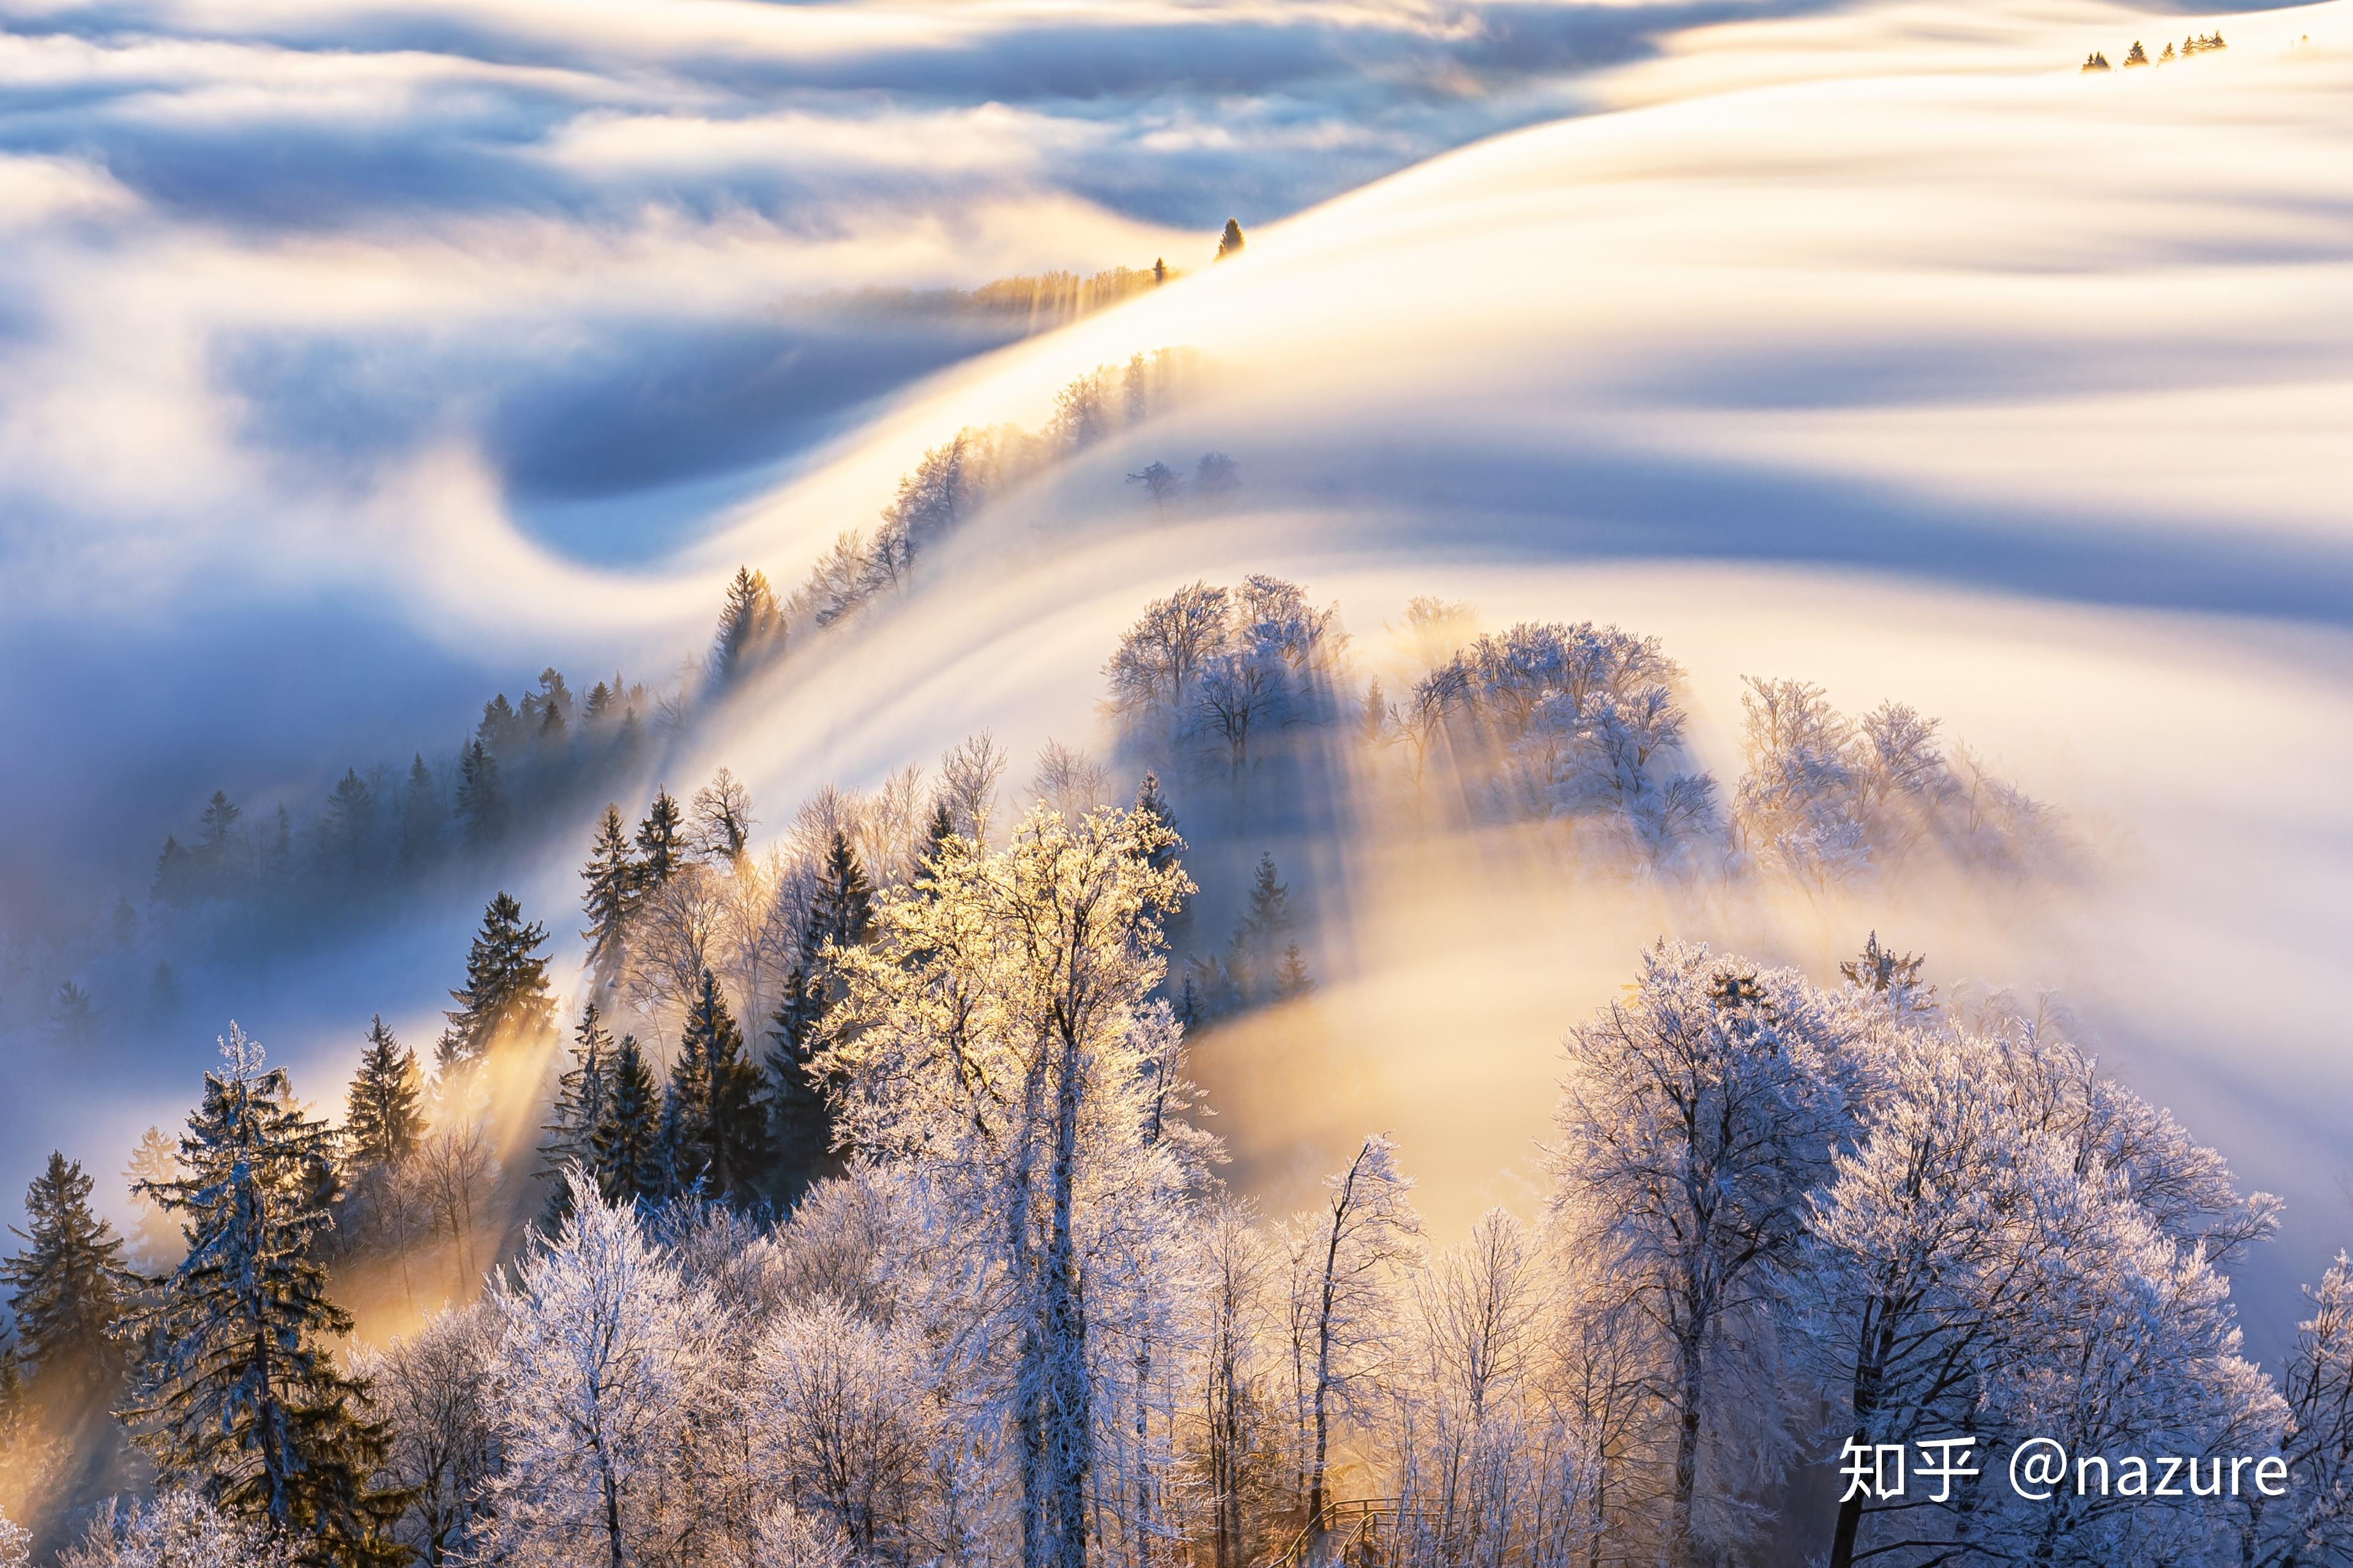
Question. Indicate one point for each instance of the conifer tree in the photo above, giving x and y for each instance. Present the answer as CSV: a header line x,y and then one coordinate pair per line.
x,y
842,913
1230,244
240,1394
724,1132
70,1285
583,1096
661,840
623,1153
481,799
748,625
1290,977
420,816
612,875
382,1123
506,991
350,815
1265,922
938,831
220,817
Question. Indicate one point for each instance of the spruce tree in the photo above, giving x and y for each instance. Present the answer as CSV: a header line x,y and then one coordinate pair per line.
x,y
721,1101
382,1123
240,1396
748,624
842,913
612,875
661,840
420,815
1265,921
938,831
70,1285
506,992
1290,977
481,799
623,1153
802,1117
581,1096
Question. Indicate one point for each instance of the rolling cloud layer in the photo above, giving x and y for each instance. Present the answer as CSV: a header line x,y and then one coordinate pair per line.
x,y
356,361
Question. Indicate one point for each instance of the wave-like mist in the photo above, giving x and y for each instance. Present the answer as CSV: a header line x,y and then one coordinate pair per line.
x,y
1877,348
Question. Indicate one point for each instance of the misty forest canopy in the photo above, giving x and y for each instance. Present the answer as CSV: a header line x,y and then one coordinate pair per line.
x,y
840,1194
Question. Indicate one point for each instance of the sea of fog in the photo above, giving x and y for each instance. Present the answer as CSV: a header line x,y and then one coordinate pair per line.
x,y
358,361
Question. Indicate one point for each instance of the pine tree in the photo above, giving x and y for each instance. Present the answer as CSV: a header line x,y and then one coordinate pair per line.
x,y
220,818
623,1149
842,913
748,625
506,991
420,815
481,799
1264,923
70,1285
612,875
583,1096
240,1393
1290,977
723,1131
938,831
1230,244
382,1123
661,840
350,814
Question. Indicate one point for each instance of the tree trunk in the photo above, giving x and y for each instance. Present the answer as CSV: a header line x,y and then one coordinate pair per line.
x,y
1683,1550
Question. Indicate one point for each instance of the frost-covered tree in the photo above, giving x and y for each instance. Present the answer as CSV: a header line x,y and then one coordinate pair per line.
x,y
434,1389
240,1394
177,1529
723,823
1695,1117
2312,1527
604,1355
1345,1262
997,1037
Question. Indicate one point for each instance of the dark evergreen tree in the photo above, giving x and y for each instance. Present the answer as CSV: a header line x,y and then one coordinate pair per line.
x,y
174,880
601,702
500,727
220,818
624,1147
720,1102
612,875
506,993
240,1394
382,1123
67,1287
661,840
482,797
938,831
420,815
351,818
842,912
1291,978
1265,924
1230,244
70,1015
749,624
583,1096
